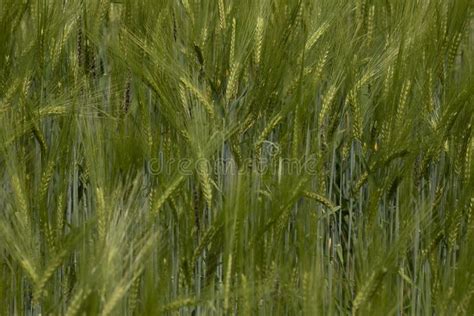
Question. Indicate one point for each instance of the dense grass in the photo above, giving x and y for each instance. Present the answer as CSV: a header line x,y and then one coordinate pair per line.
x,y
296,157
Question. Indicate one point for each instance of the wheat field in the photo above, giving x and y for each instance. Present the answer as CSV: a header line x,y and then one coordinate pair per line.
x,y
236,157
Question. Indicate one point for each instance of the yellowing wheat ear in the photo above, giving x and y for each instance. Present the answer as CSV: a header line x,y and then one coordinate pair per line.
x,y
101,213
369,288
266,131
328,99
259,29
21,201
316,36
203,170
222,14
370,25
232,82
234,67
403,101
199,95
